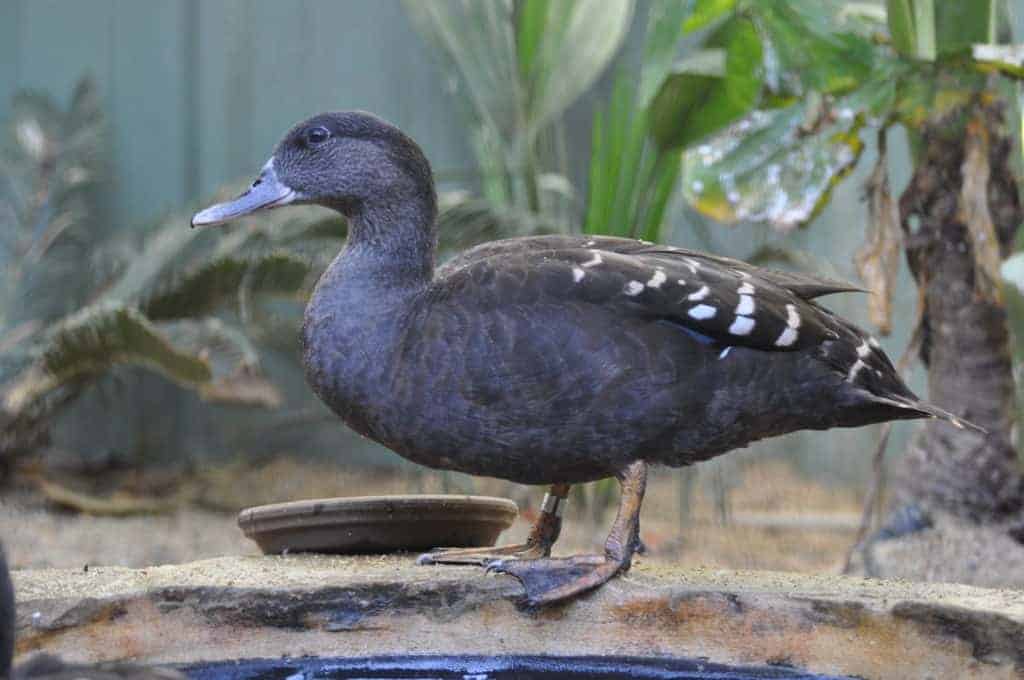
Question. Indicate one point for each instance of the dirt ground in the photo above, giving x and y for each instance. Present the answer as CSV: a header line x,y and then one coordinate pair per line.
x,y
765,517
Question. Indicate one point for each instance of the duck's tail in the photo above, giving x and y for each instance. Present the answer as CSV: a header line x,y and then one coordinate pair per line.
x,y
926,410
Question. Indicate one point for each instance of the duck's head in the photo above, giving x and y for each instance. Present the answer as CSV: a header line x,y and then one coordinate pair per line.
x,y
350,161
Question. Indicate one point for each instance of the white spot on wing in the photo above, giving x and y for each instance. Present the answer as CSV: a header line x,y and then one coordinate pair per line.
x,y
742,325
699,295
701,312
590,243
792,316
863,350
746,305
634,288
681,282
692,264
578,274
873,341
656,280
787,338
745,289
724,353
596,260
854,370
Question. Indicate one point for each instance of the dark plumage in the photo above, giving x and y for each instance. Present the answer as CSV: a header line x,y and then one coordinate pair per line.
x,y
554,359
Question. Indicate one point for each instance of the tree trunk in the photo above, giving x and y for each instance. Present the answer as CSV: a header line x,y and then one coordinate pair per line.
x,y
965,343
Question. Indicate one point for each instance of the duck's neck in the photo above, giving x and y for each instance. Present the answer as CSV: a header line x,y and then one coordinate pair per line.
x,y
391,246
361,303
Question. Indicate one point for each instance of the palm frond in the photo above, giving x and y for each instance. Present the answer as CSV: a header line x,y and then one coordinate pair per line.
x,y
91,342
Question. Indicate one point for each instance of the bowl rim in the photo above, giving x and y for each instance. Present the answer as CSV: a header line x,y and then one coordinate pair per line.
x,y
361,510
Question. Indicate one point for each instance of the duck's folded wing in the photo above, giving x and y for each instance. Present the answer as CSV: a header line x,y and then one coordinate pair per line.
x,y
718,301
803,285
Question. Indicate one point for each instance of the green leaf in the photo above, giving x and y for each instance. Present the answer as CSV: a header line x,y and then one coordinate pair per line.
x,y
207,287
777,167
705,12
691,106
664,30
804,52
900,16
958,24
578,40
94,340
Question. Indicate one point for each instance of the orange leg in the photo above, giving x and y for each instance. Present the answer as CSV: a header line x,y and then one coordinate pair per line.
x,y
549,580
538,544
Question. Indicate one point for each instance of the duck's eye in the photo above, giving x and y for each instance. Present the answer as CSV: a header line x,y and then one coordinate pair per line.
x,y
317,135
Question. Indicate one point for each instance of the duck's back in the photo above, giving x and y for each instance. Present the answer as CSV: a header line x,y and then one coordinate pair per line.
x,y
563,358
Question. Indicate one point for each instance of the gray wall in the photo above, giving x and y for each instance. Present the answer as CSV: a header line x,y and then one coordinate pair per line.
x,y
197,91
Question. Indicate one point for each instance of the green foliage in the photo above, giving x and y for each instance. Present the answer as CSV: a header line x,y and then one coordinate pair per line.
x,y
151,304
522,64
774,166
824,78
631,178
692,103
92,341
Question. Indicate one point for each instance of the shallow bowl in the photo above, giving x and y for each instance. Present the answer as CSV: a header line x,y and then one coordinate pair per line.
x,y
378,524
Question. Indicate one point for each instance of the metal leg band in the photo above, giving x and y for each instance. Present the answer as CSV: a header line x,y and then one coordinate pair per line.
x,y
552,505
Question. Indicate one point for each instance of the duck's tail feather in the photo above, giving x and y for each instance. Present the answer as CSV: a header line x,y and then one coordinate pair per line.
x,y
930,411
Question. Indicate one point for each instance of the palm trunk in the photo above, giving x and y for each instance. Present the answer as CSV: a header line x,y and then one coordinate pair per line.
x,y
965,344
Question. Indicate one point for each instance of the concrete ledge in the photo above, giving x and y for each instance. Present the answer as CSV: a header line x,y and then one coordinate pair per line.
x,y
268,607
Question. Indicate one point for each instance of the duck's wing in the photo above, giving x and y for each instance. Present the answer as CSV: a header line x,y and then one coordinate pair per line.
x,y
714,299
718,302
804,286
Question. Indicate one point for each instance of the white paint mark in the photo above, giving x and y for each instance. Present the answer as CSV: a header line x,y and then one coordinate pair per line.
x,y
701,312
724,353
745,289
854,370
578,274
634,288
863,350
742,325
656,280
596,260
787,338
792,316
746,305
699,295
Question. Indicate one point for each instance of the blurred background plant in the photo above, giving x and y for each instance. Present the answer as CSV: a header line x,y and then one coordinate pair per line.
x,y
82,299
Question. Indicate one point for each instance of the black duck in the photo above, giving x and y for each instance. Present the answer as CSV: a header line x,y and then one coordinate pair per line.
x,y
555,359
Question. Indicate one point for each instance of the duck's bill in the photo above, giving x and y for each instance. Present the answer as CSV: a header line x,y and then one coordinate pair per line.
x,y
266,192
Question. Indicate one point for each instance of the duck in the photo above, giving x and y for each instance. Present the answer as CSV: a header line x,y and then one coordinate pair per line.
x,y
557,359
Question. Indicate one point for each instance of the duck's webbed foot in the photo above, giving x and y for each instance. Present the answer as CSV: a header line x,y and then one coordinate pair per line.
x,y
551,580
538,544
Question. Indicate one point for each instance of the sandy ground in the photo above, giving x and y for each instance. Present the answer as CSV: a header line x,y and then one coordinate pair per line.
x,y
767,517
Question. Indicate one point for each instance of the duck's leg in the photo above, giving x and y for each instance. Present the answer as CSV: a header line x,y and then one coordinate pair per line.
x,y
550,580
538,544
